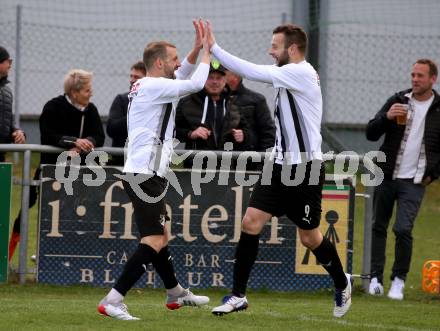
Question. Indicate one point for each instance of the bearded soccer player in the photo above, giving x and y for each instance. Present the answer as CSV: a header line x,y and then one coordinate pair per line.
x,y
298,113
150,133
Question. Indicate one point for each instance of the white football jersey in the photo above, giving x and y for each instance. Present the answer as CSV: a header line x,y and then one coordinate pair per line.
x,y
150,128
298,105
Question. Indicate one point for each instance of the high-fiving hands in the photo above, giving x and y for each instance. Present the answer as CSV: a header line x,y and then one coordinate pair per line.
x,y
206,57
204,37
198,38
200,41
209,34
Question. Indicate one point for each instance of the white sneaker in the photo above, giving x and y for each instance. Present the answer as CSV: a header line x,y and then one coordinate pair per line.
x,y
230,304
118,311
396,290
343,299
376,288
187,298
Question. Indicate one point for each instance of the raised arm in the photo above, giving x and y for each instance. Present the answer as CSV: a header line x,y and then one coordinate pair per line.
x,y
190,60
172,89
251,71
195,83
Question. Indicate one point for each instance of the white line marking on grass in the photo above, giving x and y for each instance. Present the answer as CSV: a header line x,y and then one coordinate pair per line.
x,y
354,324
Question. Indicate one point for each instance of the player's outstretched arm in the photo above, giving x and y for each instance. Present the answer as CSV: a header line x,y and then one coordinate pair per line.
x,y
174,89
206,57
251,71
198,41
190,60
198,79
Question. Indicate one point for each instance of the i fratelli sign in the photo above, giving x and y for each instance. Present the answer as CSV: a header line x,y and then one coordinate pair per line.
x,y
86,236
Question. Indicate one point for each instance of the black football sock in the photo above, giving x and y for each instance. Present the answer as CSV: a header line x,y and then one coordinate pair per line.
x,y
245,256
164,267
135,268
327,256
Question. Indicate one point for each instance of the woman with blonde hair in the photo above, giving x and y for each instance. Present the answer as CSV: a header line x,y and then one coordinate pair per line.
x,y
80,129
69,121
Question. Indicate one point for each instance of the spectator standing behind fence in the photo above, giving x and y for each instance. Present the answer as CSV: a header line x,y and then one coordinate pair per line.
x,y
253,107
69,121
205,120
8,132
117,117
410,121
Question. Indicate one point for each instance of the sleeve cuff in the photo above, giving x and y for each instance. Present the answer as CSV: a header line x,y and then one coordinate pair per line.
x,y
67,141
215,47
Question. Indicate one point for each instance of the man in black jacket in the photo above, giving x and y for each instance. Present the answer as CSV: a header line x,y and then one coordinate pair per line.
x,y
410,121
8,132
205,120
117,117
253,107
69,121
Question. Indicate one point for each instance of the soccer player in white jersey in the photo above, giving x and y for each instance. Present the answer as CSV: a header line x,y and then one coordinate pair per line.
x,y
150,138
298,113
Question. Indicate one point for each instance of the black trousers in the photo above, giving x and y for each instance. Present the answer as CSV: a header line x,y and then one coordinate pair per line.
x,y
33,195
409,197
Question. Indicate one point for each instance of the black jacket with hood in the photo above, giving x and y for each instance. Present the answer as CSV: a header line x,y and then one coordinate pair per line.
x,y
253,107
198,110
381,125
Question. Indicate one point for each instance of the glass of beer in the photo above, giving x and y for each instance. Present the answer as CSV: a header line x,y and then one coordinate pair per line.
x,y
401,119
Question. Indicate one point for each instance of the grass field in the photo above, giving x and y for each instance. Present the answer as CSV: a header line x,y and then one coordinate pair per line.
x,y
41,307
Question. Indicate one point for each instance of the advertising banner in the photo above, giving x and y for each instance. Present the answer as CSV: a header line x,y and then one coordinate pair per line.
x,y
86,237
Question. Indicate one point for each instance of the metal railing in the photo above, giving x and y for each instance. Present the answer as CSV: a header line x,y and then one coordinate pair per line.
x,y
27,150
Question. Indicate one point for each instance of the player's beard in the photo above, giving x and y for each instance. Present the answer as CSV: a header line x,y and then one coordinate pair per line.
x,y
169,72
283,59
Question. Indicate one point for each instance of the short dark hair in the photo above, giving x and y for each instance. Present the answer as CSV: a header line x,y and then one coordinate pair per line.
x,y
154,50
433,71
293,35
139,66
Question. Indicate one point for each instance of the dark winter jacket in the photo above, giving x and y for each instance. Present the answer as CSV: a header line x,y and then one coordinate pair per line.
x,y
117,124
6,117
253,107
380,125
189,116
61,124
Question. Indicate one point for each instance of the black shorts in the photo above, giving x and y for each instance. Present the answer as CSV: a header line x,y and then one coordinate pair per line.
x,y
300,203
150,217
